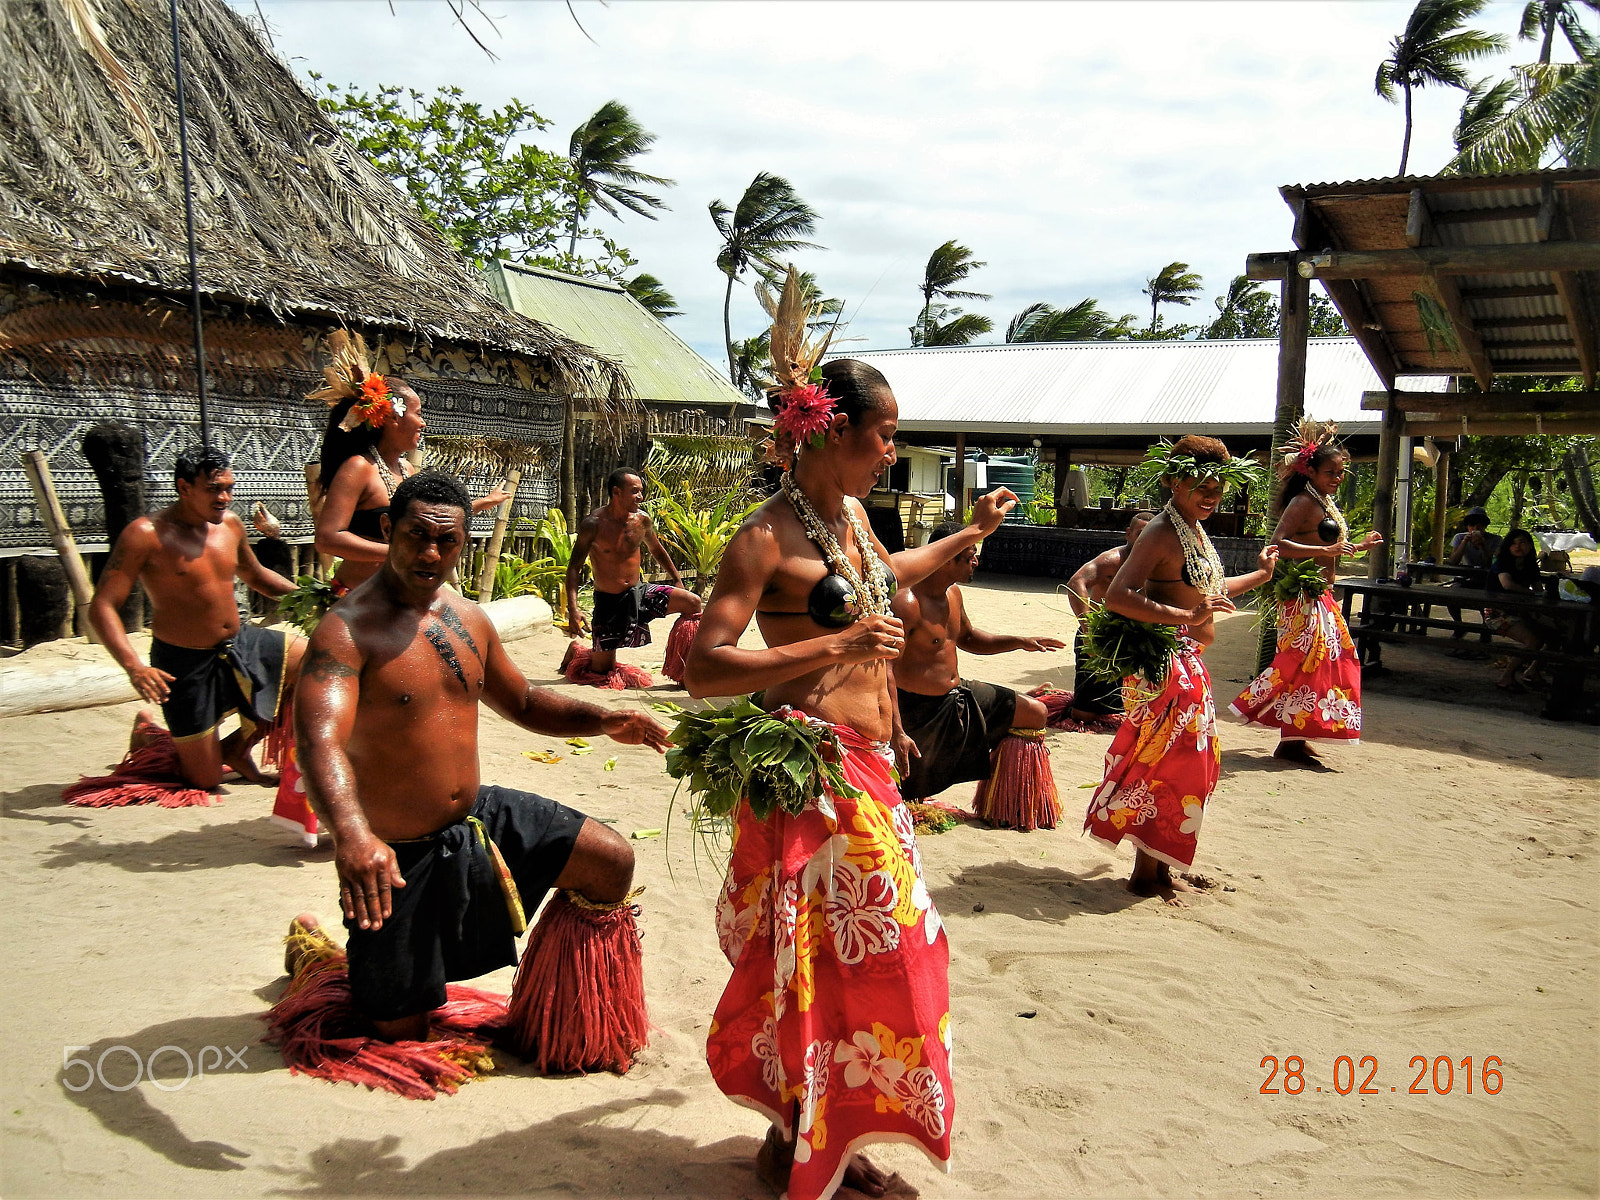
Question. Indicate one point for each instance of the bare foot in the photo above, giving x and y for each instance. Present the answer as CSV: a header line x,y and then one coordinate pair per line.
x,y
864,1177
295,954
566,659
774,1161
1166,888
145,728
1298,752
240,762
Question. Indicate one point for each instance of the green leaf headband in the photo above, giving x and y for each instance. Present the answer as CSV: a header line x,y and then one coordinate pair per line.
x,y
1160,462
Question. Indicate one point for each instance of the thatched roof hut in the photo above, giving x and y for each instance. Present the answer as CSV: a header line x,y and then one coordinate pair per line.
x,y
298,234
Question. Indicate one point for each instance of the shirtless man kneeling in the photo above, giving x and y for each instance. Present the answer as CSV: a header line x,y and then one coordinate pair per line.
x,y
204,664
1094,699
387,729
948,726
611,540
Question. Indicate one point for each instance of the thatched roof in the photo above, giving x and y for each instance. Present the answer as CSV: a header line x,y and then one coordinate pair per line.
x,y
290,217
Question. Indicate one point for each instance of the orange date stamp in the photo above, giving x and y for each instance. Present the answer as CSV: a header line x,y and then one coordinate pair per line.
x,y
1435,1077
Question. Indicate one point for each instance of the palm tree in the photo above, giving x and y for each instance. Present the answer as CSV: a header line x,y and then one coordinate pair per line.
x,y
650,292
770,219
752,364
1247,310
947,266
942,325
600,151
1084,321
1434,49
1557,104
1541,18
1173,284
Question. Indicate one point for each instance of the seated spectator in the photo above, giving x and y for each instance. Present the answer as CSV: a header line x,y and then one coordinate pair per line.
x,y
1516,569
1475,547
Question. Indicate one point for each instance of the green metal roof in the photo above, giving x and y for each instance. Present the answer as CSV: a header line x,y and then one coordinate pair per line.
x,y
603,316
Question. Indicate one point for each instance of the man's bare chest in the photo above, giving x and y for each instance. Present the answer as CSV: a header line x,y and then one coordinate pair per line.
x,y
442,663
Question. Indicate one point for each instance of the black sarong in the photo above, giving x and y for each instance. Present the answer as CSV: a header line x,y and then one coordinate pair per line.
x,y
623,618
242,674
1092,694
451,920
955,732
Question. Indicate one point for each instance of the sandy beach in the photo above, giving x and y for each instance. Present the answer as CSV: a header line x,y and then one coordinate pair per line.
x,y
1433,893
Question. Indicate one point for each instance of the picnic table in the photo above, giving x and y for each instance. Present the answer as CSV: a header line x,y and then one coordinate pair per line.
x,y
1393,612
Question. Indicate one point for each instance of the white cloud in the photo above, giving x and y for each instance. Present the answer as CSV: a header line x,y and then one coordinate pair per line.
x,y
1076,147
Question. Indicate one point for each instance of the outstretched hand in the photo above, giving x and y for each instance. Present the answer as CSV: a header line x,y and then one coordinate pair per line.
x,y
988,511
636,729
1042,643
368,870
1267,560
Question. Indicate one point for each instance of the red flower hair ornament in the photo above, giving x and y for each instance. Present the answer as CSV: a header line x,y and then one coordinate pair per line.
x,y
804,408
350,377
804,413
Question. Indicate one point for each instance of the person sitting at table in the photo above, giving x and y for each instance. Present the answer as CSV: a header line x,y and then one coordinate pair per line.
x,y
1474,547
1516,569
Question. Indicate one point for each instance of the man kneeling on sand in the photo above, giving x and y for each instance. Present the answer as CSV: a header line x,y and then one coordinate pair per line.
x,y
205,665
438,872
948,729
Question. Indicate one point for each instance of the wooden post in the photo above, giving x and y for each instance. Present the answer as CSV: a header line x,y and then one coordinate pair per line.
x,y
1441,502
491,560
569,454
1294,328
37,469
13,605
1383,494
961,477
1063,466
1405,463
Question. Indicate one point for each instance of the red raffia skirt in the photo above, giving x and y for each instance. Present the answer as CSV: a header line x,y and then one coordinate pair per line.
x,y
1162,765
1312,690
836,1022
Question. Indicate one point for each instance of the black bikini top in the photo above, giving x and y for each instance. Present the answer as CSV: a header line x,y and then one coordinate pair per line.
x,y
832,603
364,523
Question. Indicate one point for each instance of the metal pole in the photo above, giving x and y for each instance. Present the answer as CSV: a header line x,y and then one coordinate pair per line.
x,y
188,219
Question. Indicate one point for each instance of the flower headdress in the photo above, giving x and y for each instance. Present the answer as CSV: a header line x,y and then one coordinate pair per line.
x,y
803,405
350,377
1162,461
1302,447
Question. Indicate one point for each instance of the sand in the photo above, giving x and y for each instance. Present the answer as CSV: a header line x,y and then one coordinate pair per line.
x,y
1434,893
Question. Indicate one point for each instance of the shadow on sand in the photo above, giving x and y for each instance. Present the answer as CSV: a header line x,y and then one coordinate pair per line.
x,y
1032,893
253,842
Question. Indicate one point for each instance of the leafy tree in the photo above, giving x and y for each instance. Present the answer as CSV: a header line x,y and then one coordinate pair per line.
x,y
1246,310
1555,106
770,219
1173,284
1541,19
947,266
650,292
752,365
468,171
1084,321
1433,50
1324,319
601,153
942,325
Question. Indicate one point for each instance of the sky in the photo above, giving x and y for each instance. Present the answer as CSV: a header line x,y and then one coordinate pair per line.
x,y
1076,148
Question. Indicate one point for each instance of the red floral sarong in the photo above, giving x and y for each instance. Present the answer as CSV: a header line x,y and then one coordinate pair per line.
x,y
1162,765
1312,690
838,1010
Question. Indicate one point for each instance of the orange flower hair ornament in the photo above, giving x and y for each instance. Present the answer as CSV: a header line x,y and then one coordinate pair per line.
x,y
350,377
804,408
1301,449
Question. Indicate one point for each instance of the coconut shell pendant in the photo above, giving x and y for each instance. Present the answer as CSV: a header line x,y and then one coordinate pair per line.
x,y
832,603
1328,530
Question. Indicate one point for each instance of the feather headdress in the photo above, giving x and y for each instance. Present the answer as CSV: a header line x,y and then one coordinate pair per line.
x,y
350,377
803,405
1299,451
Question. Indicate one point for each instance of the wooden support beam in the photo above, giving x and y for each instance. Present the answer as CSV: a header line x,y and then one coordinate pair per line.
x,y
1575,426
1443,260
1441,499
1519,292
1544,217
961,477
1268,266
1383,493
37,468
1579,321
1515,404
1419,224
1466,334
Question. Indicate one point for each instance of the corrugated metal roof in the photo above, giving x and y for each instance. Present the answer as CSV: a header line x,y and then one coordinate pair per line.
x,y
1123,388
604,316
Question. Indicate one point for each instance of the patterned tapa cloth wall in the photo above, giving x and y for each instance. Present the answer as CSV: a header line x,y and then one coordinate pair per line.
x,y
258,417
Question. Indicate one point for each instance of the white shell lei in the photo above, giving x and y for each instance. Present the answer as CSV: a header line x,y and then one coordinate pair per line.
x,y
872,592
1201,561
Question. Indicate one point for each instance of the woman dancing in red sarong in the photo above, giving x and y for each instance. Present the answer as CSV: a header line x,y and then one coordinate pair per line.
x,y
1164,761
836,1021
1312,689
